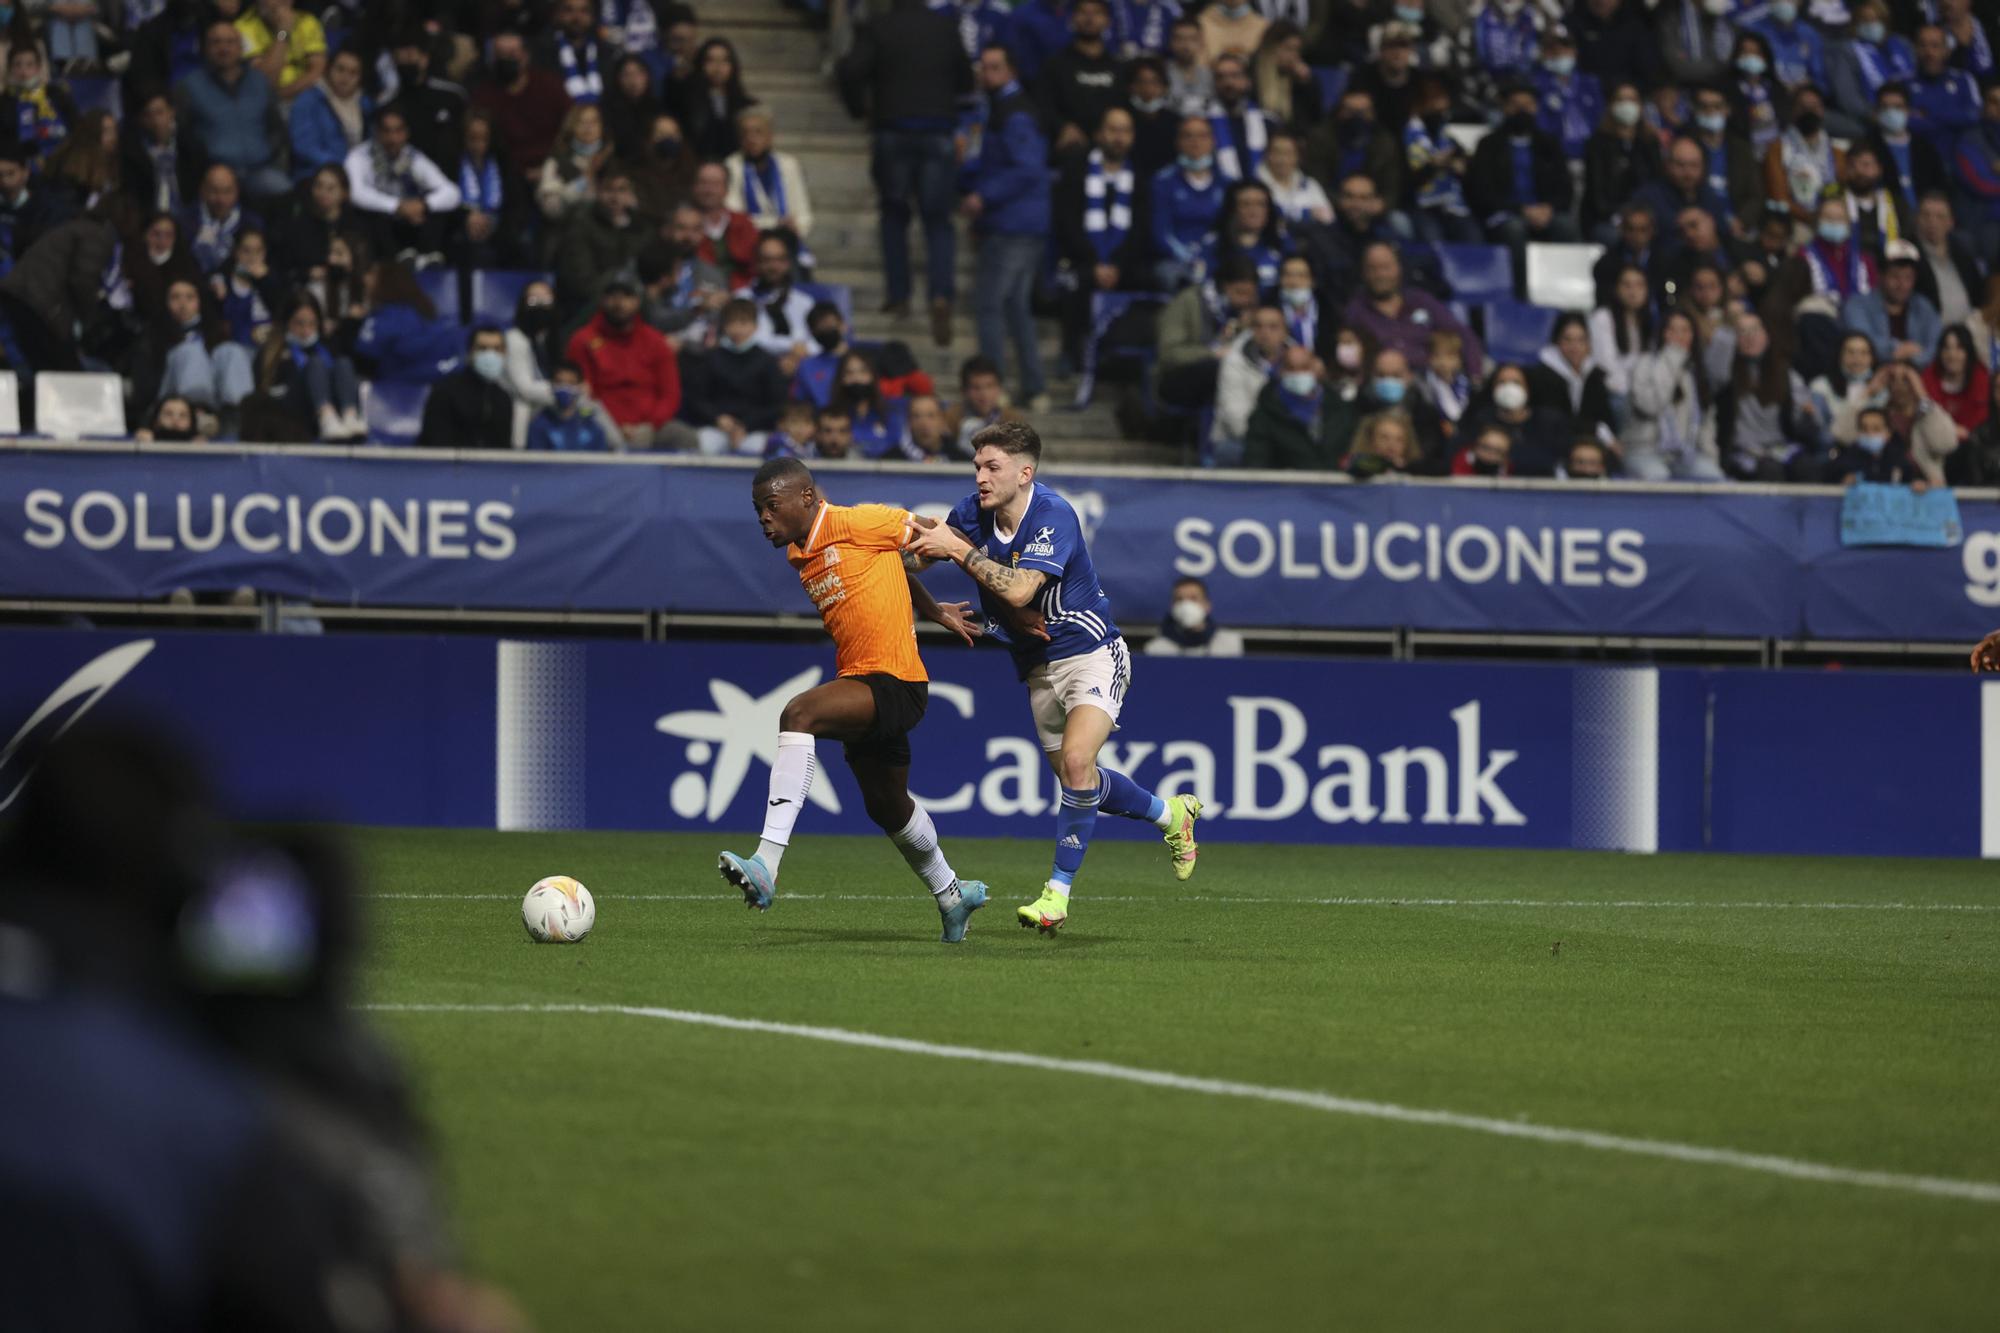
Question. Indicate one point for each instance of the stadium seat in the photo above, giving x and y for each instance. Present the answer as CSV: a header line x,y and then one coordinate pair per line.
x,y
76,406
836,292
497,291
94,94
1332,83
395,412
440,283
10,403
1559,276
1516,332
1477,273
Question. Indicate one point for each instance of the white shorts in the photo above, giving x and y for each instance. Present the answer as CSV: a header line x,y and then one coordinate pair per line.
x,y
1098,678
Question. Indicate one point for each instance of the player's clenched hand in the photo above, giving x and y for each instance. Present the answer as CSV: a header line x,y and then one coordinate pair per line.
x,y
933,540
959,619
1032,623
1986,657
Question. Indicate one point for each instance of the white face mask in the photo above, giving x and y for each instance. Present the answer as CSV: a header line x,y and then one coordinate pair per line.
x,y
1189,615
1510,397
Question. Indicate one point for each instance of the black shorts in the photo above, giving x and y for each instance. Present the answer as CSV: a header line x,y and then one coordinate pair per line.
x,y
899,706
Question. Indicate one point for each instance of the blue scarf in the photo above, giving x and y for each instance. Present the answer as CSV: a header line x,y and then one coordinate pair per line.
x,y
1302,323
1888,63
1234,161
582,79
480,186
1706,37
765,180
1142,26
1836,270
1305,410
1107,205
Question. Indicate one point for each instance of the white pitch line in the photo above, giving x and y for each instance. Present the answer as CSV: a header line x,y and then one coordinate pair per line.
x,y
1627,904
1977,1191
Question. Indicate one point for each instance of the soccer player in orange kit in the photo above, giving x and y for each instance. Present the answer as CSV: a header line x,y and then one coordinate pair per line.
x,y
850,561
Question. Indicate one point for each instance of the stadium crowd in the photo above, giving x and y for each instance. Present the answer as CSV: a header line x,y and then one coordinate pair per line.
x,y
1311,226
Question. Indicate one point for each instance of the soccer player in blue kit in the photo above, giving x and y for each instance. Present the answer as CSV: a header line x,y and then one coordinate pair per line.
x,y
1022,544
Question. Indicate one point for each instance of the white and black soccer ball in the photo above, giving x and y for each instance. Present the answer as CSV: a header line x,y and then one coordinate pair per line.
x,y
558,910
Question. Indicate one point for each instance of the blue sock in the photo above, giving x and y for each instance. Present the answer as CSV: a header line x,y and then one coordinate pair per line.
x,y
1126,798
1075,818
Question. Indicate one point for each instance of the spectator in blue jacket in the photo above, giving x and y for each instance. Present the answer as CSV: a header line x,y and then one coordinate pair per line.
x,y
331,118
1186,203
1569,104
226,106
568,425
1798,52
1009,207
1977,157
1896,317
1944,102
1874,56
402,335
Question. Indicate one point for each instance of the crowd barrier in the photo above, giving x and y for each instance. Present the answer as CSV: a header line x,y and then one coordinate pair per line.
x,y
611,735
508,532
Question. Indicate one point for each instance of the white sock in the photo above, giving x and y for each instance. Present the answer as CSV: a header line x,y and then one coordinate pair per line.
x,y
1063,889
791,778
918,842
1165,823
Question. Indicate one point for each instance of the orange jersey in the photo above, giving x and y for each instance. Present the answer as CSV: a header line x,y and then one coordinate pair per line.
x,y
852,567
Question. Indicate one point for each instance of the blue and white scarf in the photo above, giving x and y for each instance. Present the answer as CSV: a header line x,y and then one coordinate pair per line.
x,y
1236,161
480,186
764,188
1302,323
638,29
1107,205
1830,277
1141,27
582,79
1705,36
1978,52
1303,409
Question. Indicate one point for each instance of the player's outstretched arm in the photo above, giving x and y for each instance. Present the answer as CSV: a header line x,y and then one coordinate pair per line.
x,y
954,616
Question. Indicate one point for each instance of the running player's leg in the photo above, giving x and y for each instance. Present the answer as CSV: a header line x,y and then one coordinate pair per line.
x,y
885,794
1083,731
841,709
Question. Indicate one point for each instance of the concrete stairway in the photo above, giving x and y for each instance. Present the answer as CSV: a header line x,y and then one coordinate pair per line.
x,y
781,63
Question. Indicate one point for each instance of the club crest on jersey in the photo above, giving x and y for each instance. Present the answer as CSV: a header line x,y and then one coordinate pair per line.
x,y
1043,544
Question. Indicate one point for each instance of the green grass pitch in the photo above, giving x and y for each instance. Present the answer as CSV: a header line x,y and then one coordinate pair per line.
x,y
623,1172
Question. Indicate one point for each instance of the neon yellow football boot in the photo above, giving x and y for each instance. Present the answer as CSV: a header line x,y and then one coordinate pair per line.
x,y
1047,913
1180,837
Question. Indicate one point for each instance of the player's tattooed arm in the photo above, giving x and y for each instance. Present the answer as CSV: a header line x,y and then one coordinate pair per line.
x,y
1012,585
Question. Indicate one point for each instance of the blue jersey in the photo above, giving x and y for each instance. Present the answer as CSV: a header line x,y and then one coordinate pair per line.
x,y
1049,540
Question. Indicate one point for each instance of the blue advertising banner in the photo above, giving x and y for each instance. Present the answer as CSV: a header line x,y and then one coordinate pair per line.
x,y
555,735
643,534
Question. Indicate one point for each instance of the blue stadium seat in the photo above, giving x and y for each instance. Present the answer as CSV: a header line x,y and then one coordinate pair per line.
x,y
94,94
836,292
1517,332
440,283
395,412
497,291
1332,83
1477,273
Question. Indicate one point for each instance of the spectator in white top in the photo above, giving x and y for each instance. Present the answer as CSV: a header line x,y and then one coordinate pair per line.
x,y
1246,369
766,184
1189,629
1296,195
389,177
783,310
1620,333
1190,84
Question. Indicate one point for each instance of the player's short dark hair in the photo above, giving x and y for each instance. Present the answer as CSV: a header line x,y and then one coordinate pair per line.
x,y
1011,437
779,471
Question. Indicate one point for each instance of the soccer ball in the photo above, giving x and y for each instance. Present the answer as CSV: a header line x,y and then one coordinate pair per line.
x,y
558,910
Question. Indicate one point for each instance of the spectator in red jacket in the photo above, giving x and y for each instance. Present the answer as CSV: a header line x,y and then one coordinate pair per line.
x,y
728,239
629,367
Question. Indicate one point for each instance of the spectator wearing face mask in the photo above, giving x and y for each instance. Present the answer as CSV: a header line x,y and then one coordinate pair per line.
x,y
733,391
27,210
1189,628
1501,41
1487,455
315,386
1672,433
172,422
1807,300
468,409
1570,104
1154,119
1519,182
1696,38
188,353
1299,424
1186,200
1351,142
1437,171
878,422
1196,331
1878,454
1618,160
629,366
1803,160
1857,68
569,424
527,104
816,375
1536,433
1798,52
